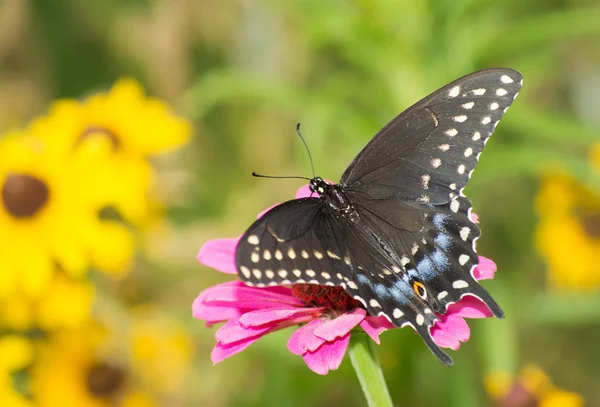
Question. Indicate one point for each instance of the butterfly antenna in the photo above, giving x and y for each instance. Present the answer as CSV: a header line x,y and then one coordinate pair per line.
x,y
278,177
307,150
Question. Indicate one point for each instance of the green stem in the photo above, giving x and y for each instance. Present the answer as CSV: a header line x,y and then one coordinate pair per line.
x,y
366,365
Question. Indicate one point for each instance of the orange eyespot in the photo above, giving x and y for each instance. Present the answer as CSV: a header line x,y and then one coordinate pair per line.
x,y
420,289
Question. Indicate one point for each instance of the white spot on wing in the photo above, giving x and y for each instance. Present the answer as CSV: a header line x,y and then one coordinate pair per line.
x,y
296,272
291,253
267,255
253,239
304,254
468,106
460,118
501,92
494,106
318,254
269,274
461,169
476,136
506,79
442,295
245,271
333,255
458,284
397,313
325,275
257,273
374,303
282,273
425,180
455,206
468,152
310,273
454,92
352,285
278,255
479,92
444,147
436,162
486,120
451,132
463,259
464,233
255,257
420,319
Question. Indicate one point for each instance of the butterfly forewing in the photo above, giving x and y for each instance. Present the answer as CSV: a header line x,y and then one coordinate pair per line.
x,y
427,153
298,241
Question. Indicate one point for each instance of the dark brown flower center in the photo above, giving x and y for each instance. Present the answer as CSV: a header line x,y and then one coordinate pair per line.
x,y
333,298
23,195
97,131
591,224
518,396
104,380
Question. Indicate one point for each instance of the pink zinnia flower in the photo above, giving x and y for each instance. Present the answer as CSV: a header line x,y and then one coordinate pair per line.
x,y
326,314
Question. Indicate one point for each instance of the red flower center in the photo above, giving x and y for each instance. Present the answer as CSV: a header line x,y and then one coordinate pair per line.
x,y
333,298
98,131
23,195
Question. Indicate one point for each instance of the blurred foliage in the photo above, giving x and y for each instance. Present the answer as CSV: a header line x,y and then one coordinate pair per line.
x,y
244,73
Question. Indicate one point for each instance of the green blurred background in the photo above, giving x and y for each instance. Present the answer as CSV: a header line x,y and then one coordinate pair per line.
x,y
245,72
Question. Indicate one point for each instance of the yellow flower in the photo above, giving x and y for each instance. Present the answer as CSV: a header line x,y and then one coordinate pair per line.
x,y
569,223
49,203
135,126
66,303
15,354
139,361
531,388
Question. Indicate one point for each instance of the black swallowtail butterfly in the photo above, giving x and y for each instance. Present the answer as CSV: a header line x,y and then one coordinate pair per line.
x,y
396,233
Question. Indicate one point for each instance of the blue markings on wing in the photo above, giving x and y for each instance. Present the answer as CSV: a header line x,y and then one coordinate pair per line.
x,y
426,269
401,292
439,221
442,262
382,291
443,241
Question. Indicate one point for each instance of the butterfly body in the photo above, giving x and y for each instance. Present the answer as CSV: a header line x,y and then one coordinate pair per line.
x,y
397,231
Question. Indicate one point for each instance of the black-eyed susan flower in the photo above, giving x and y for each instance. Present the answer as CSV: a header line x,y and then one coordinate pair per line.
x,y
140,363
16,353
50,199
136,126
569,223
532,388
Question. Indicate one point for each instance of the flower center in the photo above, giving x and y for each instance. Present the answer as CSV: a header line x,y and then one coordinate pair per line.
x,y
23,195
333,298
98,131
591,224
104,380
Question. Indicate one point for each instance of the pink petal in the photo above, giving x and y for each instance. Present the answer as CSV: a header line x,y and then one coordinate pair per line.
x,y
221,352
374,326
327,357
450,332
304,340
232,332
485,269
340,326
238,295
474,217
219,254
272,316
469,307
214,314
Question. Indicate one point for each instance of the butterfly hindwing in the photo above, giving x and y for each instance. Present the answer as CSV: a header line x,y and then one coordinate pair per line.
x,y
428,152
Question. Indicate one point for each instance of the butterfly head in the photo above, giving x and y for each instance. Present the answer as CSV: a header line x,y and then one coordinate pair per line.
x,y
318,185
